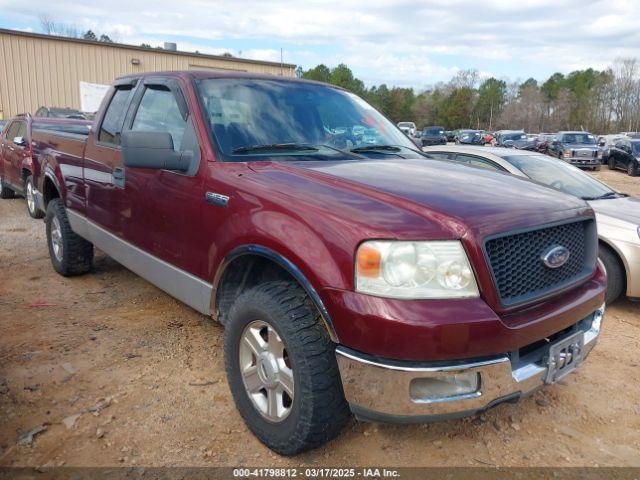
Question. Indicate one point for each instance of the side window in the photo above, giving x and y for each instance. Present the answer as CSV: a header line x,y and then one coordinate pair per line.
x,y
113,117
476,162
159,112
440,155
22,131
9,133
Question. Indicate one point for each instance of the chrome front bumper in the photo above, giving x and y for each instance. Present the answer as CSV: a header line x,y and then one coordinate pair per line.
x,y
380,391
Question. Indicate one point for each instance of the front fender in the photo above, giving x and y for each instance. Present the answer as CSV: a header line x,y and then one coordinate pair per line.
x,y
286,264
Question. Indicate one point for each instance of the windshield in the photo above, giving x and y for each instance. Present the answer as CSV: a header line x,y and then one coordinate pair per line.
x,y
407,125
559,175
434,131
579,138
244,113
636,147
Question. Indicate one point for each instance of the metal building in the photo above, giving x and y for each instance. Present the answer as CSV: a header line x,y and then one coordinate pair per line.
x,y
43,70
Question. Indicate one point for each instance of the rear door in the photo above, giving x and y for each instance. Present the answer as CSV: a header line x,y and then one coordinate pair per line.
x,y
103,170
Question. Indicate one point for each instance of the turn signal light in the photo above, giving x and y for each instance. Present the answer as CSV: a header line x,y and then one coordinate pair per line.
x,y
368,263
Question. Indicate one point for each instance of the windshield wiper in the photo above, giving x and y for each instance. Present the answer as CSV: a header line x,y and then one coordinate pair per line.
x,y
605,195
373,148
386,149
269,147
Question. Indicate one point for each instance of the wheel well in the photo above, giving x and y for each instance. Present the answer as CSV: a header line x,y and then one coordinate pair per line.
x,y
49,191
605,246
242,273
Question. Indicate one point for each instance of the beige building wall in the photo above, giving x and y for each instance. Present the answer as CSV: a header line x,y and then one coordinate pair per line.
x,y
39,70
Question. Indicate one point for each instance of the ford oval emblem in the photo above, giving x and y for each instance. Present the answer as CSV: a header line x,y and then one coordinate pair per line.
x,y
555,256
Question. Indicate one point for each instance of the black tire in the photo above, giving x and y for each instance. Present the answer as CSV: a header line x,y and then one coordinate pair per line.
x,y
76,257
6,192
632,168
32,206
615,274
318,410
611,164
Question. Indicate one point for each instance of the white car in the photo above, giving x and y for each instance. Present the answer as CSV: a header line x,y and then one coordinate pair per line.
x,y
409,128
617,214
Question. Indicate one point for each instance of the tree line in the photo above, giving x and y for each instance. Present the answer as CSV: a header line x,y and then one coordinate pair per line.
x,y
606,101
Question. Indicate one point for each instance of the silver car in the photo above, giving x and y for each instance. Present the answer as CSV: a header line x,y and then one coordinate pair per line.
x,y
617,214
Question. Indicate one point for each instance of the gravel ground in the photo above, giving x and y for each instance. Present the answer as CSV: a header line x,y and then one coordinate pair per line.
x,y
115,372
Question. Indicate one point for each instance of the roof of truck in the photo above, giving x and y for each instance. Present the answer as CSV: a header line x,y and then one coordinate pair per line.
x,y
204,74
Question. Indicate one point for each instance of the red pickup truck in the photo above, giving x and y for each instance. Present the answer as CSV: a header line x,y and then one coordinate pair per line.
x,y
19,164
352,273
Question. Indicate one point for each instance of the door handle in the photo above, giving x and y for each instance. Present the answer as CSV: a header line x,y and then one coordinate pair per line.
x,y
118,177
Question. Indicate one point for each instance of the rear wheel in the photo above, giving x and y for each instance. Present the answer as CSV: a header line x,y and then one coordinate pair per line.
x,y
5,192
632,168
30,195
282,369
615,274
70,253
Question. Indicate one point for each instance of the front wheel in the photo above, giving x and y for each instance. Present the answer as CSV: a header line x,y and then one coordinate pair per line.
x,y
282,369
70,253
632,169
30,195
611,164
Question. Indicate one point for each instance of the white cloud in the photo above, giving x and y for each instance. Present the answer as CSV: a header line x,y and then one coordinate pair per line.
x,y
402,42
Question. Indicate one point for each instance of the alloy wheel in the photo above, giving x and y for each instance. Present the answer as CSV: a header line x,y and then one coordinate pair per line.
x,y
31,201
266,371
56,239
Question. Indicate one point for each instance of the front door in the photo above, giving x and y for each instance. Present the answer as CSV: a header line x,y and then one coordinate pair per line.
x,y
15,151
166,205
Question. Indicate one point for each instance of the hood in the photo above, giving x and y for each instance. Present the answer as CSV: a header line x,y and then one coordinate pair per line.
x,y
625,208
439,192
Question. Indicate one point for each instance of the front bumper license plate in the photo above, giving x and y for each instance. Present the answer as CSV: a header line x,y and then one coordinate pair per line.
x,y
564,357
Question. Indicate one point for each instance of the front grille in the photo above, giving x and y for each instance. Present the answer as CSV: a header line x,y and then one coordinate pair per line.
x,y
516,262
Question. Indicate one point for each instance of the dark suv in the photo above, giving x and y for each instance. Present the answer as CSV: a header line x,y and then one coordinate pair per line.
x,y
625,154
433,136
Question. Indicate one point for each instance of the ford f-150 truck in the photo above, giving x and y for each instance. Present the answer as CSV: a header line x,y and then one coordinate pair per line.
x,y
350,277
19,167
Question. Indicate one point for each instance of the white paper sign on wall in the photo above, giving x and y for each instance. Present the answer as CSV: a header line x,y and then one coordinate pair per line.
x,y
91,95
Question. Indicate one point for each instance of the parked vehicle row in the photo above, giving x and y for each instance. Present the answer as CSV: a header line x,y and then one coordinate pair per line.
x,y
351,277
19,162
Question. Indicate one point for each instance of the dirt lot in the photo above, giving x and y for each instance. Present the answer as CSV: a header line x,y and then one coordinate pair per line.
x,y
121,374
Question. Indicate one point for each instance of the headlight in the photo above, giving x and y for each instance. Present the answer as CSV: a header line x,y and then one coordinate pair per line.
x,y
415,270
567,153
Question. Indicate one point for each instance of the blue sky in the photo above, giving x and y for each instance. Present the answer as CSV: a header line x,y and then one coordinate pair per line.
x,y
402,42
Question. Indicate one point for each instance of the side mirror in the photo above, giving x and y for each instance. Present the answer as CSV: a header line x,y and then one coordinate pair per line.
x,y
152,150
19,141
